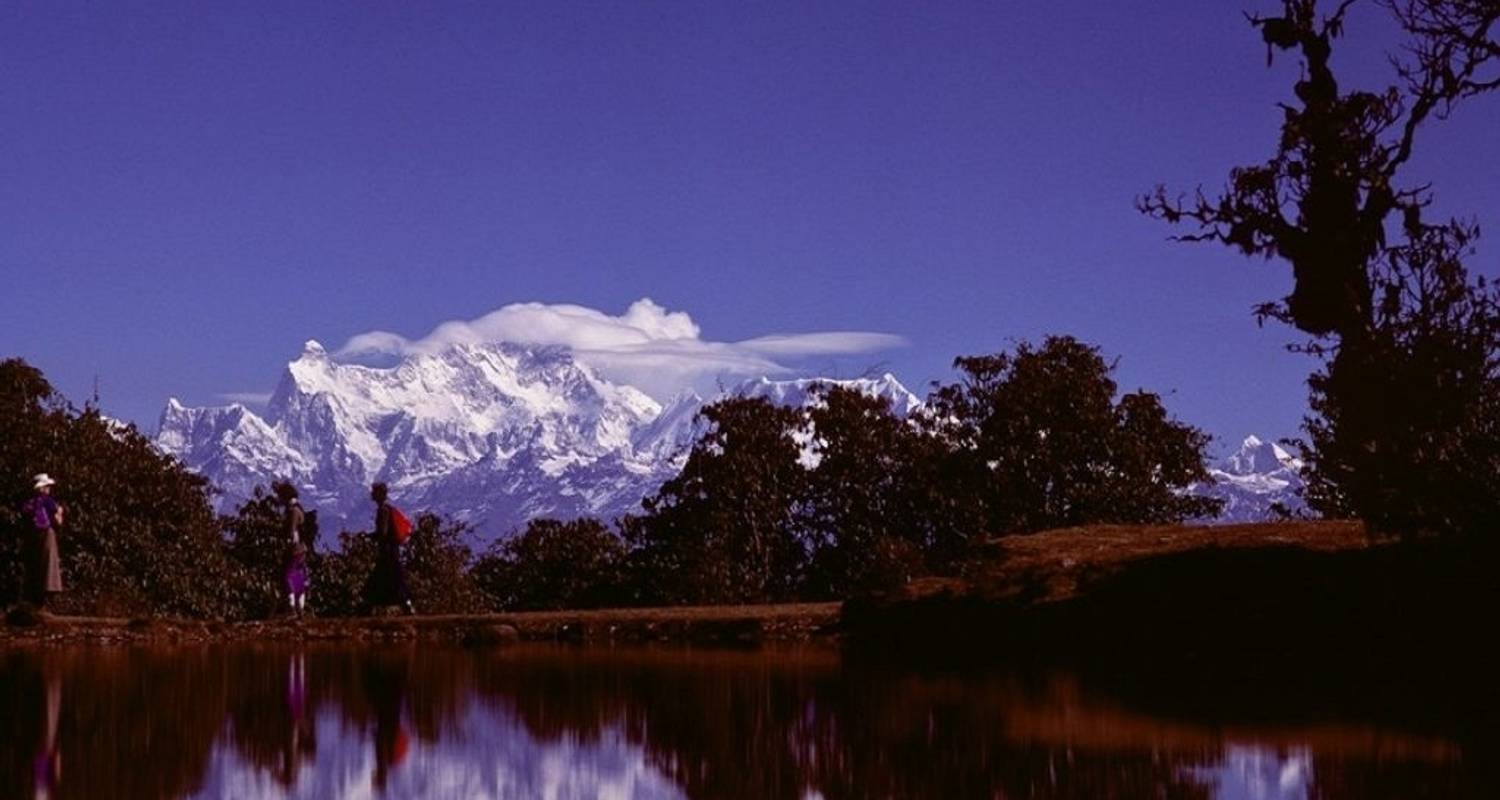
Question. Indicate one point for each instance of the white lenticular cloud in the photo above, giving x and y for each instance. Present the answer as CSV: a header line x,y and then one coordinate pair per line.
x,y
658,351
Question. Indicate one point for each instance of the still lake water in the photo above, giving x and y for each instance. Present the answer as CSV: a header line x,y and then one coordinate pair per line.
x,y
415,721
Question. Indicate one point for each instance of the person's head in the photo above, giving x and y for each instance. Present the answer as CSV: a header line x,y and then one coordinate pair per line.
x,y
285,491
44,483
379,492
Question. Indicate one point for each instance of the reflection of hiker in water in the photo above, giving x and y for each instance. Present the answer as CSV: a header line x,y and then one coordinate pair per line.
x,y
385,682
301,742
387,585
46,767
44,567
295,575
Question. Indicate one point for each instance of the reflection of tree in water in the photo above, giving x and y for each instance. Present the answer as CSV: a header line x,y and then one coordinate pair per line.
x,y
270,719
906,735
1338,779
131,723
753,727
719,724
279,692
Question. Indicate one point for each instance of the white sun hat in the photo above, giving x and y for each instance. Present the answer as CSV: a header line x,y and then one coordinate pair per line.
x,y
43,480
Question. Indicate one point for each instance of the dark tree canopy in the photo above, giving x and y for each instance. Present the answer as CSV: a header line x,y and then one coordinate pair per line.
x,y
140,534
554,564
866,511
843,497
438,560
1044,443
726,528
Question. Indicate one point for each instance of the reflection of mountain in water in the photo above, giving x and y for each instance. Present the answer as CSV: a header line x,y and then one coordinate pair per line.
x,y
1259,773
415,722
493,755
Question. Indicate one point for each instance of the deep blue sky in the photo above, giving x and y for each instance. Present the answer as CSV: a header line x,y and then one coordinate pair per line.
x,y
188,191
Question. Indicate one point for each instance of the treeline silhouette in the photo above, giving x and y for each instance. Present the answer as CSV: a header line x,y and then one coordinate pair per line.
x,y
773,503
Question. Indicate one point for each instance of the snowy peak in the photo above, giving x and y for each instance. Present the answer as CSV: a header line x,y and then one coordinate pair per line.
x,y
1258,457
800,392
1254,482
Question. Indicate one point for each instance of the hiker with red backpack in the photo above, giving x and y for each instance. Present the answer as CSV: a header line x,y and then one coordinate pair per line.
x,y
387,586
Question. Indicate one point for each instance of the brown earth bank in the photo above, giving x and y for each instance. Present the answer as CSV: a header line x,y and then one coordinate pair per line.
x,y
1307,622
721,625
1245,594
1296,597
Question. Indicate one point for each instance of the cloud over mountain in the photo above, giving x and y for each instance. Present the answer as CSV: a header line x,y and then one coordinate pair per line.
x,y
659,351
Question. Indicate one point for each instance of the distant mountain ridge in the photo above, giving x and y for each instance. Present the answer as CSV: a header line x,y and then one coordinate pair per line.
x,y
493,434
496,434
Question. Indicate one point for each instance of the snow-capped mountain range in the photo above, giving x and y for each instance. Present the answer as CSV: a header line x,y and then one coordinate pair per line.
x,y
493,434
496,434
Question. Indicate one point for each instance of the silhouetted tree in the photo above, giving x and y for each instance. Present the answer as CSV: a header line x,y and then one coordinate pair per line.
x,y
31,414
1405,432
554,564
438,558
865,513
140,535
726,528
1382,290
1038,441
338,576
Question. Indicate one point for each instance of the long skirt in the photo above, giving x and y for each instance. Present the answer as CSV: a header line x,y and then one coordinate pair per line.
x,y
295,575
45,575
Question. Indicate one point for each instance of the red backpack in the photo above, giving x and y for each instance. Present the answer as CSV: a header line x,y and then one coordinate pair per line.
x,y
400,525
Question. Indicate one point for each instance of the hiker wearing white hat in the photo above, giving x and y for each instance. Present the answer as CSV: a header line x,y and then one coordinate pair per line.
x,y
44,577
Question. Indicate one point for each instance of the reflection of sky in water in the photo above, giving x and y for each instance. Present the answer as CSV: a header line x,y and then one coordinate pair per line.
x,y
1258,773
488,754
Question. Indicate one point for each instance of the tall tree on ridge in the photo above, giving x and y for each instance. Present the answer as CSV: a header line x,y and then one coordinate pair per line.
x,y
1408,341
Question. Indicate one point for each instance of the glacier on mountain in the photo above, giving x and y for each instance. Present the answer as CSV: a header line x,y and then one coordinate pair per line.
x,y
496,434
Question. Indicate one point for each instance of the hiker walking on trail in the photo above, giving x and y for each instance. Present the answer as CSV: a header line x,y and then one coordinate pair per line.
x,y
295,575
44,572
387,586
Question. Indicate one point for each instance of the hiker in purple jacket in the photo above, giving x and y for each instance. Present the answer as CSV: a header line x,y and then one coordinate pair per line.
x,y
295,575
44,572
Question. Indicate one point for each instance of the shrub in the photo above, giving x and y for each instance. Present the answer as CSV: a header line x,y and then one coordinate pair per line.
x,y
554,564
